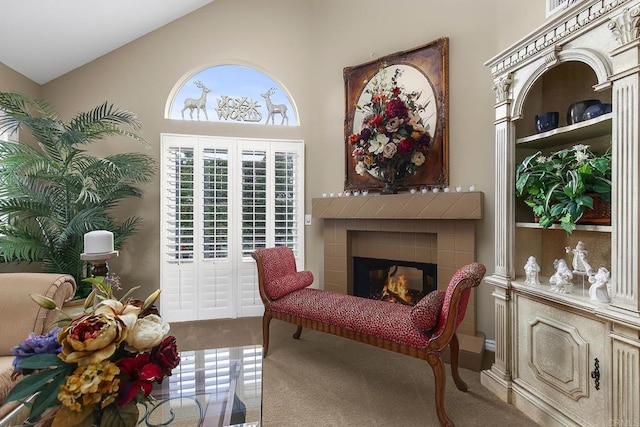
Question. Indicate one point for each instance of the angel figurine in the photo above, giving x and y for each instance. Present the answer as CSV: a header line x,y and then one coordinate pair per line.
x,y
561,280
599,289
580,264
531,271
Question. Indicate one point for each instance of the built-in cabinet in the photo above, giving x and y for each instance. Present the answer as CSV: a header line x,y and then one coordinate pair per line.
x,y
565,359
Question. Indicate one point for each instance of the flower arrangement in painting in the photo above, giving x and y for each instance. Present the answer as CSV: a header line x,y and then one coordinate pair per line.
x,y
393,141
94,371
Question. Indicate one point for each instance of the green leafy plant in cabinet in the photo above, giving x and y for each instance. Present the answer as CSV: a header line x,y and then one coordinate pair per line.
x,y
561,187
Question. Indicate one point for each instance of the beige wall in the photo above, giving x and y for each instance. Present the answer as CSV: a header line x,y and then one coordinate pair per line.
x,y
304,45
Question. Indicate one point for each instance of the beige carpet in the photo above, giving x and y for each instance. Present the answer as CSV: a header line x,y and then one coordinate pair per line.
x,y
325,381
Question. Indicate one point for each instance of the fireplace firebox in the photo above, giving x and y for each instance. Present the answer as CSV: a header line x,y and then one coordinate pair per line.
x,y
395,281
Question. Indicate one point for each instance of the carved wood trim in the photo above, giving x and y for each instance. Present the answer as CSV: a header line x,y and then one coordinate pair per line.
x,y
543,331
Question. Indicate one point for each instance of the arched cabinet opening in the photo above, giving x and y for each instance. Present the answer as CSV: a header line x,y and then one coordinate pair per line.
x,y
555,91
560,90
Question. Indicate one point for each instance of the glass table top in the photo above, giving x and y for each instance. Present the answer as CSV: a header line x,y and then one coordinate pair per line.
x,y
216,387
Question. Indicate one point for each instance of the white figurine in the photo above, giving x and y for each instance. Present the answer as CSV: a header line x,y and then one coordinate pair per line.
x,y
531,270
561,280
600,284
580,264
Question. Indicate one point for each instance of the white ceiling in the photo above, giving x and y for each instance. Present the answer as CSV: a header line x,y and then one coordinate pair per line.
x,y
44,39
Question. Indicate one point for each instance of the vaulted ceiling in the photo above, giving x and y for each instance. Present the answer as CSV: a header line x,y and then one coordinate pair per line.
x,y
44,39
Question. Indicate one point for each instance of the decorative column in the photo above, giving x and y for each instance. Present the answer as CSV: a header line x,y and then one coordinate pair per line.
x,y
498,379
626,161
625,214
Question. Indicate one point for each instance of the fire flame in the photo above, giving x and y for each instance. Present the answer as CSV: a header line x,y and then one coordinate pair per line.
x,y
398,288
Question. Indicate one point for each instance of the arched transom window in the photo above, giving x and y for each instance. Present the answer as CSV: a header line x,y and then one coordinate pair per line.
x,y
232,94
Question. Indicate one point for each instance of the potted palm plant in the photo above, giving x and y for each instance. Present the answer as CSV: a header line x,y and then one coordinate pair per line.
x,y
563,186
55,191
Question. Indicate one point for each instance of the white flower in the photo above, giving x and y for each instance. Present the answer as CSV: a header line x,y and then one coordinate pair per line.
x,y
417,158
542,159
581,157
361,168
147,333
378,143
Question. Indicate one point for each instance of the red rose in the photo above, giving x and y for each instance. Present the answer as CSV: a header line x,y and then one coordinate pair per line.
x,y
396,108
166,355
405,146
139,373
375,120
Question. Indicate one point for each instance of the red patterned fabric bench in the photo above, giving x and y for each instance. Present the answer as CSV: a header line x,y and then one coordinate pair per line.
x,y
422,331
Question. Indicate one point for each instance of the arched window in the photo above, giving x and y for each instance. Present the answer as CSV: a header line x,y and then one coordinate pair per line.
x,y
232,94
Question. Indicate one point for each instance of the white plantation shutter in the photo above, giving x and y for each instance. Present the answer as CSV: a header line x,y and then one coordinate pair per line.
x,y
215,280
177,246
207,269
272,214
288,212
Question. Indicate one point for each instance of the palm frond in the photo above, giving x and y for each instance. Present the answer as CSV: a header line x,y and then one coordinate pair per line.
x,y
21,246
19,109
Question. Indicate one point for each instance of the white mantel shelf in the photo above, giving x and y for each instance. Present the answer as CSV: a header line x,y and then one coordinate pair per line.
x,y
455,206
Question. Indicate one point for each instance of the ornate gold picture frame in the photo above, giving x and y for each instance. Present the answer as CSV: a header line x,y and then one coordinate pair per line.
x,y
425,69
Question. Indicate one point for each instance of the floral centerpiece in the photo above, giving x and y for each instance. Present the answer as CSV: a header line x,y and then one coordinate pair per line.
x,y
95,370
563,186
393,142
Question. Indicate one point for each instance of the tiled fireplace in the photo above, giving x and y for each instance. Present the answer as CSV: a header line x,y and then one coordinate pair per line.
x,y
438,228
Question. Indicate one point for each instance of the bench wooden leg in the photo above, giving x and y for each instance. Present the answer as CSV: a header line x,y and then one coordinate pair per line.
x,y
298,332
266,319
438,375
454,351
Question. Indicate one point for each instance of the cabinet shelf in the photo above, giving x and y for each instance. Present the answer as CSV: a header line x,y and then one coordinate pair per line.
x,y
588,129
580,227
579,298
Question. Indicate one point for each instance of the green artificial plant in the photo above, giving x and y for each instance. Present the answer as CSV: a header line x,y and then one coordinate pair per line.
x,y
54,191
560,187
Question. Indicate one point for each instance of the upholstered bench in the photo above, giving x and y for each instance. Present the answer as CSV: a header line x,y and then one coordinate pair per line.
x,y
422,331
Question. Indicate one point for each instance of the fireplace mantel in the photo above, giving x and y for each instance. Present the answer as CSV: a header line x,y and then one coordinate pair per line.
x,y
429,206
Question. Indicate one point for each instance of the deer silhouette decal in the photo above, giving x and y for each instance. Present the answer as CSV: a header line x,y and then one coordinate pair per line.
x,y
197,104
274,109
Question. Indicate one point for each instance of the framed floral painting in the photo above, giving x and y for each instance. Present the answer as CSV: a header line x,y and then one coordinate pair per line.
x,y
396,120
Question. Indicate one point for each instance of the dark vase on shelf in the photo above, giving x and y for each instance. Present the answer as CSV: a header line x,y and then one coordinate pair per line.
x,y
547,121
596,110
575,112
392,178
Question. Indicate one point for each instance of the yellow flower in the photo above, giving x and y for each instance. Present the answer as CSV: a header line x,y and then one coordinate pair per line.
x,y
91,338
126,312
90,384
417,158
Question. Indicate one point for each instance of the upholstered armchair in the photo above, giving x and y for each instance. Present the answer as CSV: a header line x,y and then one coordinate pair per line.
x,y
20,315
